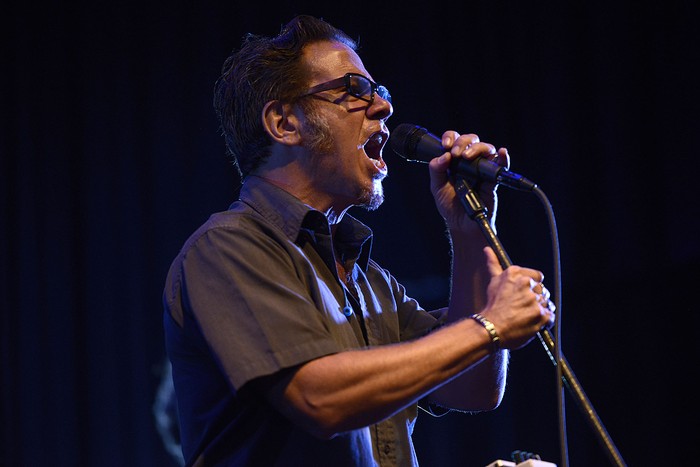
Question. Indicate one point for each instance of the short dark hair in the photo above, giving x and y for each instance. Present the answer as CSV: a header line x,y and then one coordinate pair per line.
x,y
262,70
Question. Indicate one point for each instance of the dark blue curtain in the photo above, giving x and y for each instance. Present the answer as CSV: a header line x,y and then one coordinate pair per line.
x,y
111,156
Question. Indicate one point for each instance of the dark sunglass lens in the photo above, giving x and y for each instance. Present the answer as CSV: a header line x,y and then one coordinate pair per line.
x,y
359,86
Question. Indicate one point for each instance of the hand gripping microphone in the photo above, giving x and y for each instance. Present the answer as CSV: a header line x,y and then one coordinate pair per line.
x,y
416,144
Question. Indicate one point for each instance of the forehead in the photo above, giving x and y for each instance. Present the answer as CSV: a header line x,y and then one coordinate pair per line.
x,y
330,60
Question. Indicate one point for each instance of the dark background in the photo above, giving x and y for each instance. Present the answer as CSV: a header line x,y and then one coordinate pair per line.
x,y
111,157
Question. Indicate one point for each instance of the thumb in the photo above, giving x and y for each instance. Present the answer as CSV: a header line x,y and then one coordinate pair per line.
x,y
492,263
438,167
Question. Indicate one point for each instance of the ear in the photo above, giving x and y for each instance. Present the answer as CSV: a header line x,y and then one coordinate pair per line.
x,y
281,123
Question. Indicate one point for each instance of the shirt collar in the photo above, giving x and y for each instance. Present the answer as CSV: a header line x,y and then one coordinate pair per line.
x,y
290,215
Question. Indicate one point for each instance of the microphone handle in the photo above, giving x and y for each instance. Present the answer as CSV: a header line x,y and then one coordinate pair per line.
x,y
416,144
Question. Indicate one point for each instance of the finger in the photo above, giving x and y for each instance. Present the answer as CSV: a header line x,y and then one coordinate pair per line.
x,y
448,139
536,280
462,143
545,302
492,263
552,315
539,288
441,163
439,167
502,158
478,149
545,292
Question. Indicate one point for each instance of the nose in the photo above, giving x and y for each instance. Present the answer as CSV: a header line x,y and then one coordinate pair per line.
x,y
380,108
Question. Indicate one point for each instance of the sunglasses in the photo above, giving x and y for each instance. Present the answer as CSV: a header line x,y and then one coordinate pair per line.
x,y
356,85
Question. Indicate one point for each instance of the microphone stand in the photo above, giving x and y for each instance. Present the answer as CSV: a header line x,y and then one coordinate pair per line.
x,y
476,210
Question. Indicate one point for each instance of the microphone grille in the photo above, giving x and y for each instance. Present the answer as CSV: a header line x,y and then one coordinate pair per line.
x,y
404,139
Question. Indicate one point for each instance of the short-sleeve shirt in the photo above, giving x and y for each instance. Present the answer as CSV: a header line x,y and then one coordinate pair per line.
x,y
255,291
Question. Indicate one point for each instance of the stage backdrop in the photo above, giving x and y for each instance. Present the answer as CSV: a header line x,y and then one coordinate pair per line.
x,y
111,157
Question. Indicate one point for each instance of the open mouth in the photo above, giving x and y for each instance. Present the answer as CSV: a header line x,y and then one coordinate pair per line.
x,y
373,148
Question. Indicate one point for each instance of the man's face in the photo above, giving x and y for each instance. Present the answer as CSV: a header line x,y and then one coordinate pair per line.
x,y
344,134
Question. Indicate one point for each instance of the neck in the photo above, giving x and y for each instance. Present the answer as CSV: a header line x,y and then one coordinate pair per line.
x,y
305,192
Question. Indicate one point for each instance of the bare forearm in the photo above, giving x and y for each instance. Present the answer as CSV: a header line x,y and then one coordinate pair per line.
x,y
353,389
482,387
470,276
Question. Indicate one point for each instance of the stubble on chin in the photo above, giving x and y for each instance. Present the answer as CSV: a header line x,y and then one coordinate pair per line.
x,y
374,197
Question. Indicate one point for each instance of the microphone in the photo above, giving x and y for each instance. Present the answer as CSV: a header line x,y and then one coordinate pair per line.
x,y
415,144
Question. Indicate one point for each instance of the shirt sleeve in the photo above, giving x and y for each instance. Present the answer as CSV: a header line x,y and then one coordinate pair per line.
x,y
253,308
413,320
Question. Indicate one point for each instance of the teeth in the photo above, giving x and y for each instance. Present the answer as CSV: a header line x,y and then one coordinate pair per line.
x,y
376,138
373,147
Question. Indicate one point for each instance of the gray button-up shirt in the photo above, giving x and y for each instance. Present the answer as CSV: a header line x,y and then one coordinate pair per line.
x,y
254,291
